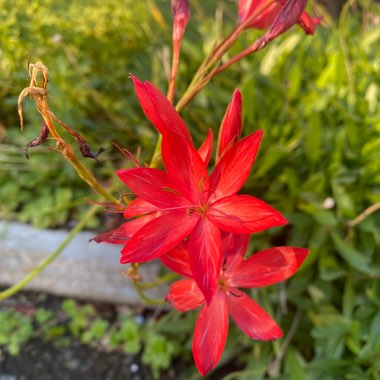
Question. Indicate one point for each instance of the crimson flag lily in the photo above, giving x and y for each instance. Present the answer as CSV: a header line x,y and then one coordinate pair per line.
x,y
264,268
185,200
294,13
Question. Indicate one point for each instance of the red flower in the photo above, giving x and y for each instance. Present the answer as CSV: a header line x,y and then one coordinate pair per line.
x,y
264,268
184,201
290,12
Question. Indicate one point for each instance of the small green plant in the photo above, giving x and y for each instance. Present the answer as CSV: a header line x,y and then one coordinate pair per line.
x,y
128,336
79,317
96,331
15,329
81,322
158,353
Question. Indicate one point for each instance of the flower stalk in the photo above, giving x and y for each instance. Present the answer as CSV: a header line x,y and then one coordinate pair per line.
x,y
39,95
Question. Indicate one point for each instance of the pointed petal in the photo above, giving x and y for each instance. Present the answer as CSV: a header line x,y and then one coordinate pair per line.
x,y
151,185
139,207
210,334
231,126
233,169
158,237
184,295
186,169
159,110
268,267
309,24
177,260
123,233
205,149
251,318
243,214
205,255
234,248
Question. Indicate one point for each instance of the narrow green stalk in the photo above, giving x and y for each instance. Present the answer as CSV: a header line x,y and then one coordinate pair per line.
x,y
161,280
156,158
90,179
147,300
38,269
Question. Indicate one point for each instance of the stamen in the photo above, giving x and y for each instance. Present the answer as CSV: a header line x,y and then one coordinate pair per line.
x,y
191,211
224,265
237,295
170,190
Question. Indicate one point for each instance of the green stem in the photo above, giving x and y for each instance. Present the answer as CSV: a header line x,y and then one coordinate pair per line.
x,y
208,67
90,179
156,158
147,300
161,280
37,270
206,70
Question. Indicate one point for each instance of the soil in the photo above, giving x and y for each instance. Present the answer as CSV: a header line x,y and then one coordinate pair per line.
x,y
46,360
41,360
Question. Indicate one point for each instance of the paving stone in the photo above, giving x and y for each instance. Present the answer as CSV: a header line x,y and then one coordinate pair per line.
x,y
85,270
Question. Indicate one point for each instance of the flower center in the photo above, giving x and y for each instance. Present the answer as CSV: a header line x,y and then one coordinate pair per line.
x,y
202,209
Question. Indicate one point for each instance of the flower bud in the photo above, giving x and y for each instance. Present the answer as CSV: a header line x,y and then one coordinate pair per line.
x,y
181,16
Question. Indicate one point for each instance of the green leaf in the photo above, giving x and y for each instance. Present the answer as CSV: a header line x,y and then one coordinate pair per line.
x,y
295,365
352,256
313,138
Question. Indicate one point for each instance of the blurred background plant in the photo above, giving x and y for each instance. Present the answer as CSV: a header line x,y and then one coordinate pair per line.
x,y
317,100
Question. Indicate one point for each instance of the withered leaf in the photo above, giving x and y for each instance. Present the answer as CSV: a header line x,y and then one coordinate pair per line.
x,y
44,133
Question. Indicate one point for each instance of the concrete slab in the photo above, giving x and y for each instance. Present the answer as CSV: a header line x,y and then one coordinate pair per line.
x,y
85,270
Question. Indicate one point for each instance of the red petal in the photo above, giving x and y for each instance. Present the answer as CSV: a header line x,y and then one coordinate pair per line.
x,y
243,214
309,24
234,248
251,318
230,129
268,267
177,260
184,295
264,18
185,168
206,148
159,110
210,334
205,254
139,207
158,237
233,169
151,185
123,233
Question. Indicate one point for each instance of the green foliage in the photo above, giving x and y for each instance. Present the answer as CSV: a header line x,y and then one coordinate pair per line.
x,y
89,90
15,329
82,322
129,336
158,353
